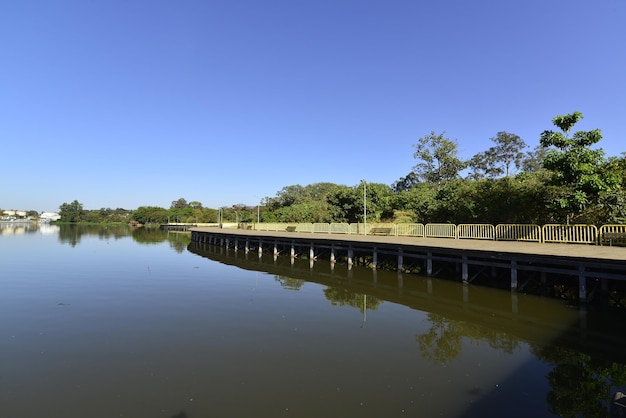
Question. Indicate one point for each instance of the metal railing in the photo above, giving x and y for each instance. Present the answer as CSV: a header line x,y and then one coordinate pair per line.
x,y
518,232
612,234
410,230
550,233
579,234
476,231
440,230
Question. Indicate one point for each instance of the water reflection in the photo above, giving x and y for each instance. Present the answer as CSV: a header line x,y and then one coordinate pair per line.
x,y
584,348
72,234
290,283
580,384
18,228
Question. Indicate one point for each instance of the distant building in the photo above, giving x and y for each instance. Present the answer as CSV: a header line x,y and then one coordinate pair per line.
x,y
49,216
14,216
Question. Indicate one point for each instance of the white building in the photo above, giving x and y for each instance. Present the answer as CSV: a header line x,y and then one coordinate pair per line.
x,y
49,216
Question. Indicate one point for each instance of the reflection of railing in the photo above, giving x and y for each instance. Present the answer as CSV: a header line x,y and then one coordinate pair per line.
x,y
573,234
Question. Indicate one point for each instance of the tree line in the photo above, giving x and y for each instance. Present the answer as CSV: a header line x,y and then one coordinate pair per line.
x,y
563,180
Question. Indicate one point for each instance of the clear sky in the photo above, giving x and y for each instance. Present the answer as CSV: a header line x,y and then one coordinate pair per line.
x,y
126,103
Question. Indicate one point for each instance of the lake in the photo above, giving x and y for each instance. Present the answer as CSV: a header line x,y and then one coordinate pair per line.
x,y
113,322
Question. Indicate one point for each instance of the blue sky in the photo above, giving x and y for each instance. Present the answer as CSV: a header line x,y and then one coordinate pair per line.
x,y
134,103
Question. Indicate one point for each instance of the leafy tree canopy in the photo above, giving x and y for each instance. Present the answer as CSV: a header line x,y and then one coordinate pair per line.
x,y
437,159
575,167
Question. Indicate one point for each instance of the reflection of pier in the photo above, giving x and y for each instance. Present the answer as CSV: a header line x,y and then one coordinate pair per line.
x,y
531,319
466,260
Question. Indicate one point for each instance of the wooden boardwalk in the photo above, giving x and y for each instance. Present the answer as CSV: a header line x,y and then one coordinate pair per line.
x,y
471,257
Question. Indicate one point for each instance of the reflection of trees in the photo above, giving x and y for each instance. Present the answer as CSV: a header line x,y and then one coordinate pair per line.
x,y
443,341
289,282
580,384
72,233
343,297
148,235
177,240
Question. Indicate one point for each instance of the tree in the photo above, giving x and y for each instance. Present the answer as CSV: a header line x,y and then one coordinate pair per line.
x,y
346,203
484,164
179,204
405,183
150,214
71,212
500,158
533,160
575,167
437,156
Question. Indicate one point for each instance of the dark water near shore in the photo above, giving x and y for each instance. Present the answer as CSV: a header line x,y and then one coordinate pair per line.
x,y
109,322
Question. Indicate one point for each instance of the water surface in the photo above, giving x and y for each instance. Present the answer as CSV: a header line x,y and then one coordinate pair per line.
x,y
109,322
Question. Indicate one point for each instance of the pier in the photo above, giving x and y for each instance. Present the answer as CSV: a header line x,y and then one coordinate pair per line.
x,y
465,260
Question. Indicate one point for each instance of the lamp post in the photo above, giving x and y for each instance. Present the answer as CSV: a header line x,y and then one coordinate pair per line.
x,y
364,207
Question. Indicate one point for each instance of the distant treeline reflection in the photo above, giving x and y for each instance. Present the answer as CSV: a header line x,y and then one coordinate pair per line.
x,y
72,234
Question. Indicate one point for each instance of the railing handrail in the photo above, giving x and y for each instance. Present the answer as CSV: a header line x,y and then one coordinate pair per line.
x,y
549,233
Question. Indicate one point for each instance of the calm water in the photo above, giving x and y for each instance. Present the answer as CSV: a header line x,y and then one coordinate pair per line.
x,y
98,322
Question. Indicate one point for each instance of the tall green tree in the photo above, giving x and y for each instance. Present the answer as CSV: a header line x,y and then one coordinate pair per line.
x,y
438,159
179,204
71,212
150,214
405,183
575,166
533,160
501,158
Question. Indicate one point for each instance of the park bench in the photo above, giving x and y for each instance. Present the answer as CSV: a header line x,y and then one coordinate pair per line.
x,y
290,228
610,237
380,231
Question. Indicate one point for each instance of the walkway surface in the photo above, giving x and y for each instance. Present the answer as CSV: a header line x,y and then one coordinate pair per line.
x,y
581,251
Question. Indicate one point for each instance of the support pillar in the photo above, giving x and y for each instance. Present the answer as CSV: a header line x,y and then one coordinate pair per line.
x,y
400,259
513,275
375,258
429,263
464,270
582,283
350,256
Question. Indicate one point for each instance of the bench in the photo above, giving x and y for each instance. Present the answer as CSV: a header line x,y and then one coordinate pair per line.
x,y
613,236
290,229
380,231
